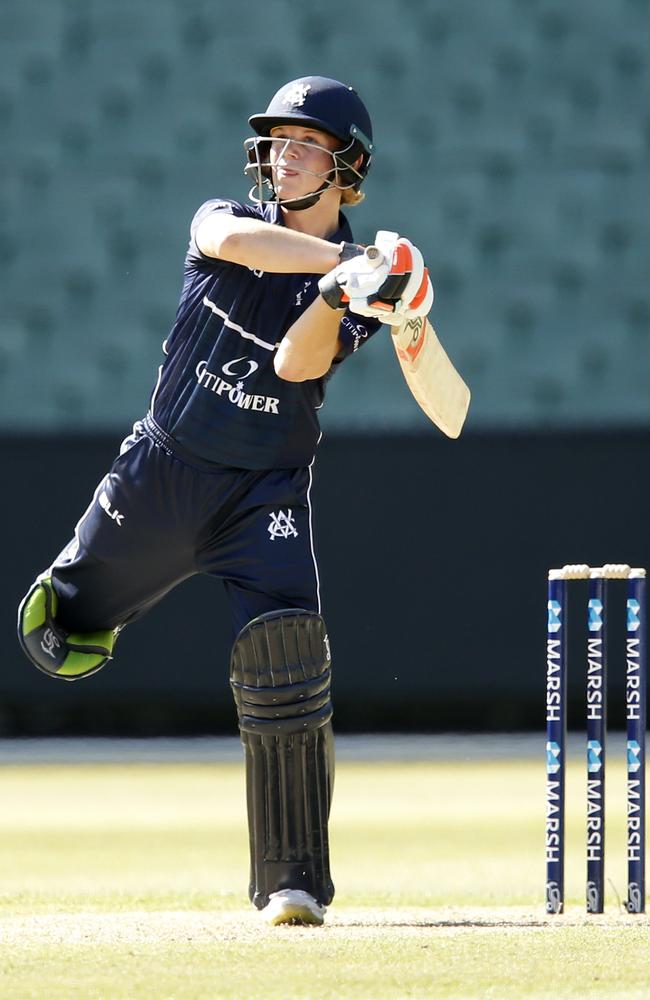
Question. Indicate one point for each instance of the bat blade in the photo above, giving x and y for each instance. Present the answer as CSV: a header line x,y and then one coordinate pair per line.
x,y
434,382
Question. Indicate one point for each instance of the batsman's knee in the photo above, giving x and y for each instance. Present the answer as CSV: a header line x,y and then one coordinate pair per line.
x,y
68,655
281,674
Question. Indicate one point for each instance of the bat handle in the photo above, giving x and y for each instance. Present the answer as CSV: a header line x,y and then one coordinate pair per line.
x,y
374,256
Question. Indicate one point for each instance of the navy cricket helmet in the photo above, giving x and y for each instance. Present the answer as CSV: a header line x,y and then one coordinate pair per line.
x,y
324,104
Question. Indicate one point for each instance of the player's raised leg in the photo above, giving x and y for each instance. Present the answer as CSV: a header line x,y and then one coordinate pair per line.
x,y
129,549
280,676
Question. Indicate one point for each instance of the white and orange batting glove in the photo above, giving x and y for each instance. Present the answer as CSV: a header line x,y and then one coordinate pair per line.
x,y
406,292
387,280
359,276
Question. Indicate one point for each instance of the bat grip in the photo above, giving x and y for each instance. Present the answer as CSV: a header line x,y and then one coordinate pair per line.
x,y
374,256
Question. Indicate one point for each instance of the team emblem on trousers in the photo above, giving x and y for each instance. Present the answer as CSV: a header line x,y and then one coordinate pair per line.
x,y
282,525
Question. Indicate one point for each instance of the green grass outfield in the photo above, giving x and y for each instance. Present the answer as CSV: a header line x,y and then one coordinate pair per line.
x,y
129,883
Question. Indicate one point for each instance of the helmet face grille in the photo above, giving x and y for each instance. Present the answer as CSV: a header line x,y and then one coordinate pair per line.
x,y
342,175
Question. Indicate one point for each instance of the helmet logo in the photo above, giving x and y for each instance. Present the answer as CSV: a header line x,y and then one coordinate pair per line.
x,y
295,97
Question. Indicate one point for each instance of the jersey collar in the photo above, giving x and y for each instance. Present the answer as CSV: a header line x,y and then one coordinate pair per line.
x,y
274,214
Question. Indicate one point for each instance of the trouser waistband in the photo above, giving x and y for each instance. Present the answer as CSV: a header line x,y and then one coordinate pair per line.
x,y
167,442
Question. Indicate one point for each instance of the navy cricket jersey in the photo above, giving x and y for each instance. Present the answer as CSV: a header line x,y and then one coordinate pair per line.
x,y
217,394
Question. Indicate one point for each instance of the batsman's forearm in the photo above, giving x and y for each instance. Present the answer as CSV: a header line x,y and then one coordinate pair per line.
x,y
265,247
307,348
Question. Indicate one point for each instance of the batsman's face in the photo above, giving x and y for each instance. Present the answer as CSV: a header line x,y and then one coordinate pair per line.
x,y
301,159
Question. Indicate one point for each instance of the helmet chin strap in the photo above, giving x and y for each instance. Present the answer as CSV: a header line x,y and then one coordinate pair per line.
x,y
307,201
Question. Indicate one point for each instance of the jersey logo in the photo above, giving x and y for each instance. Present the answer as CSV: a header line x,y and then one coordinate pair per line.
x,y
282,525
228,369
300,294
235,393
358,331
295,97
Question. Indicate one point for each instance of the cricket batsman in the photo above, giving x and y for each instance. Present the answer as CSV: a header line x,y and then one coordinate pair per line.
x,y
216,478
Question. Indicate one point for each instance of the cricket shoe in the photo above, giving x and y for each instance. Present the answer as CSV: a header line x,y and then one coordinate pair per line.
x,y
293,906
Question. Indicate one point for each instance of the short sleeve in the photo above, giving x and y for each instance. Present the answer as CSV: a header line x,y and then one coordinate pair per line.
x,y
222,205
354,332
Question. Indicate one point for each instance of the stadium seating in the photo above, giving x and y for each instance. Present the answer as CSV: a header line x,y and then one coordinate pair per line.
x,y
512,145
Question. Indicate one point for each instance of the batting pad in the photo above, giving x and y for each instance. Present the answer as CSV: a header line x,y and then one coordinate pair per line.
x,y
280,676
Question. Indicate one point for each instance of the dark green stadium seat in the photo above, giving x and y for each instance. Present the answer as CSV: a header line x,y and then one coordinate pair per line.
x,y
511,144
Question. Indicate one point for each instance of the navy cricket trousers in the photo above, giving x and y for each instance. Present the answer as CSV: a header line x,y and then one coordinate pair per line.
x,y
158,518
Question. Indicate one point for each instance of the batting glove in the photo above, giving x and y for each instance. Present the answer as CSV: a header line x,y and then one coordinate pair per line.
x,y
359,277
406,293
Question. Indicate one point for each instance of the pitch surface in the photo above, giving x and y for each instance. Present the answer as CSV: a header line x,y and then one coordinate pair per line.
x,y
128,881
